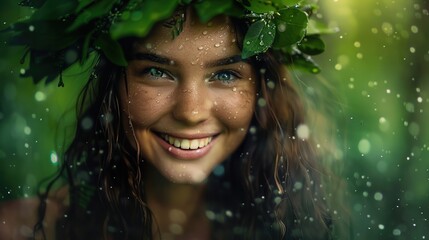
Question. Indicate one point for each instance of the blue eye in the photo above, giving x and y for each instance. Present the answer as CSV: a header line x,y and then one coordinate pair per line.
x,y
225,76
155,72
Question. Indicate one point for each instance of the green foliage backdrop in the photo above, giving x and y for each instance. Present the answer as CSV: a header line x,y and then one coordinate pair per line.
x,y
379,66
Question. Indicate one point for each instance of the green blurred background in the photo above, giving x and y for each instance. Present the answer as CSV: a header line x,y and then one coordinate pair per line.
x,y
379,65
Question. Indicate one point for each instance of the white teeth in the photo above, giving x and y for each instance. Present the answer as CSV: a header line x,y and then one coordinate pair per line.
x,y
188,143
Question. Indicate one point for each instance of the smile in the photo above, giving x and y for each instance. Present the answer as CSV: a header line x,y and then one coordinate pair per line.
x,y
187,144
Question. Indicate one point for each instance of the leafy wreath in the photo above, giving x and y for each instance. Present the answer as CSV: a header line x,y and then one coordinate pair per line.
x,y
62,33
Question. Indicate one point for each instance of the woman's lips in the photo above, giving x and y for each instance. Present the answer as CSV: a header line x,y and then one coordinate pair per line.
x,y
186,148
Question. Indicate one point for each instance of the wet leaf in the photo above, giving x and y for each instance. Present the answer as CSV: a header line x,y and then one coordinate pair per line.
x,y
315,27
304,63
312,45
32,3
44,35
96,10
206,10
139,21
83,4
258,38
54,10
85,47
263,6
112,49
291,27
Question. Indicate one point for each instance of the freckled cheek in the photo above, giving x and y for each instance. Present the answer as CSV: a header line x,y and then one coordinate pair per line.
x,y
236,109
143,105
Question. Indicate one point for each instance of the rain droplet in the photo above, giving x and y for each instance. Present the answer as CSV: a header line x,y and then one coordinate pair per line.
x,y
40,96
31,28
378,196
281,27
364,146
303,131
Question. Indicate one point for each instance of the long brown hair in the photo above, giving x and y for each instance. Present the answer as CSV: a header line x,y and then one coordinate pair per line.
x,y
272,186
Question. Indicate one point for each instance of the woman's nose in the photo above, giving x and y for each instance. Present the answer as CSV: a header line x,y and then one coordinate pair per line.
x,y
192,103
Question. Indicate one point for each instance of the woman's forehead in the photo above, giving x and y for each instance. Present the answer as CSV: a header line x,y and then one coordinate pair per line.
x,y
215,38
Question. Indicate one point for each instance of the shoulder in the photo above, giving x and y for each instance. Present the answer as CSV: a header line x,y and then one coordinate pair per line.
x,y
18,217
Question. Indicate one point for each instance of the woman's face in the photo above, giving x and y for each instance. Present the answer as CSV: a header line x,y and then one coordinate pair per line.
x,y
190,99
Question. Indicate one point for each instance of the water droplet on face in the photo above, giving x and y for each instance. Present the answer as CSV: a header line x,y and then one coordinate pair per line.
x,y
217,45
181,46
204,32
200,48
234,89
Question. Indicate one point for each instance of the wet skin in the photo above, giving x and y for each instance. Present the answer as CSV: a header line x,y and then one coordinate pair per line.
x,y
190,99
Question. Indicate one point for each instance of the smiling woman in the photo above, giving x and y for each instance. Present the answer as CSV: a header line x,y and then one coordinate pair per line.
x,y
189,100
197,137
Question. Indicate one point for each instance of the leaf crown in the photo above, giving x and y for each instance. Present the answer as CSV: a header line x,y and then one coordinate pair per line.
x,y
60,34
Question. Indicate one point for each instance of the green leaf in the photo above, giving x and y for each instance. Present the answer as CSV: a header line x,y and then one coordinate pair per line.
x,y
305,63
54,10
312,45
265,6
96,10
44,35
291,27
140,20
85,47
315,27
32,3
258,38
83,4
112,49
208,9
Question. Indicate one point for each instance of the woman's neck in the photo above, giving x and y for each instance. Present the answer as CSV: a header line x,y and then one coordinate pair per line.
x,y
178,208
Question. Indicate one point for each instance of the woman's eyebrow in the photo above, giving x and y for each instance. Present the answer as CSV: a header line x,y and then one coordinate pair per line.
x,y
153,58
226,61
166,61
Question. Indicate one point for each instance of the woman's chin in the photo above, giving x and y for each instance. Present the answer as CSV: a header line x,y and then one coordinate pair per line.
x,y
186,177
